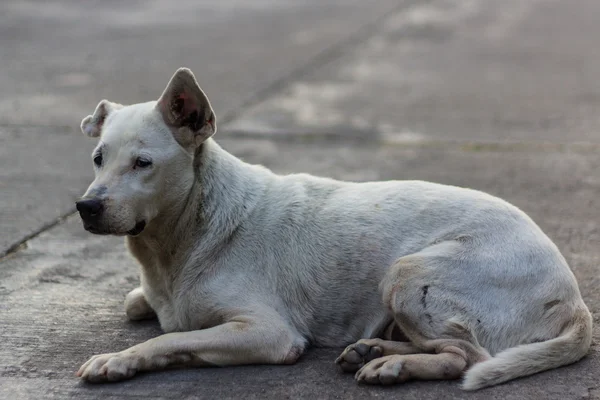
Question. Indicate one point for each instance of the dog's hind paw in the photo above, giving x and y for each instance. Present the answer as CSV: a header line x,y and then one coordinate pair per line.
x,y
384,371
355,356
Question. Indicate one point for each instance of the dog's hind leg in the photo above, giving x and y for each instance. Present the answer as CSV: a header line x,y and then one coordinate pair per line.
x,y
448,364
137,307
449,360
358,354
421,358
431,316
453,300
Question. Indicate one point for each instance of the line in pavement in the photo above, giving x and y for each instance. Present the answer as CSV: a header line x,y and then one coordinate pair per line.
x,y
21,244
326,56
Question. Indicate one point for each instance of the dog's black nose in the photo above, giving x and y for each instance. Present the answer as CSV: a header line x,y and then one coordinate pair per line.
x,y
89,209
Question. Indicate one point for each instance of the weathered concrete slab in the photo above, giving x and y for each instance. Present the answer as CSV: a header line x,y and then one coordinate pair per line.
x,y
474,70
42,172
61,298
60,57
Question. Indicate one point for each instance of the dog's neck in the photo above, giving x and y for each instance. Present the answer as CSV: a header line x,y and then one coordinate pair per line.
x,y
224,193
227,190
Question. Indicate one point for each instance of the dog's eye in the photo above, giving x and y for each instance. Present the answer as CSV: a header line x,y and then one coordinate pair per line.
x,y
142,163
98,160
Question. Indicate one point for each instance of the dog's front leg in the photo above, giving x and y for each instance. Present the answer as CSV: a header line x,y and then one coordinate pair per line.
x,y
137,307
237,342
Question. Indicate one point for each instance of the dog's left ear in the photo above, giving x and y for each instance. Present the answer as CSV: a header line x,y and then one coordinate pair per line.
x,y
186,109
92,124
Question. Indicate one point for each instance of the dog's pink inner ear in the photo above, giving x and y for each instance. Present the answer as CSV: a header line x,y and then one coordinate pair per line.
x,y
187,112
100,120
184,111
182,106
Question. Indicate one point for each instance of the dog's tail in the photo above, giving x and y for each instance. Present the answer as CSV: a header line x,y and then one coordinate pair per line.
x,y
528,359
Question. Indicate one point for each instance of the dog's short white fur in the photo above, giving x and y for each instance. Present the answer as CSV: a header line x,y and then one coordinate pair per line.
x,y
244,266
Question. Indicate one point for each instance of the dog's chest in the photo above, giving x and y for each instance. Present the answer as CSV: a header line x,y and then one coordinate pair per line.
x,y
159,294
177,308
159,280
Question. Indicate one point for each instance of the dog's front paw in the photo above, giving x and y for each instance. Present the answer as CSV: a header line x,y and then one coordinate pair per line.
x,y
358,354
110,367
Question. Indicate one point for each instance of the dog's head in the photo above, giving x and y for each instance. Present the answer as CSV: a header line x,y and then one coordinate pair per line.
x,y
144,158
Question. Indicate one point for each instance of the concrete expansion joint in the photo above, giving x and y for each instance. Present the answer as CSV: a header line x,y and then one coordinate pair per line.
x,y
465,145
324,57
21,244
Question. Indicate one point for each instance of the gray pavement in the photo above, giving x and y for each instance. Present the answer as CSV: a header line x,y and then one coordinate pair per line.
x,y
497,96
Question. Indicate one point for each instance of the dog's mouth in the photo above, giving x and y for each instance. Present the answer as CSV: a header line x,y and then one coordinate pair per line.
x,y
93,229
139,227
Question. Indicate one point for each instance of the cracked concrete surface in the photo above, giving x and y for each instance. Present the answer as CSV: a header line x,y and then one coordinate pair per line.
x,y
498,96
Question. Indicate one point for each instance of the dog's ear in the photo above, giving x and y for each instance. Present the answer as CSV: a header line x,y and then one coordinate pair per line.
x,y
186,109
92,124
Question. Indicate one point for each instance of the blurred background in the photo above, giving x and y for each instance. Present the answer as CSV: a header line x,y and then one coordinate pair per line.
x,y
501,96
405,72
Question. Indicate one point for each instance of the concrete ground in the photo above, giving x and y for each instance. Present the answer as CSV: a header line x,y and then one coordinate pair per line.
x,y
502,96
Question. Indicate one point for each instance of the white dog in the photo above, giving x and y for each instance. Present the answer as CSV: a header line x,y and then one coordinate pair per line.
x,y
244,266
